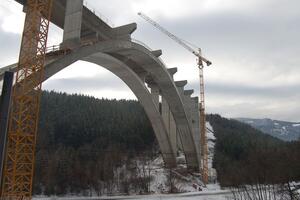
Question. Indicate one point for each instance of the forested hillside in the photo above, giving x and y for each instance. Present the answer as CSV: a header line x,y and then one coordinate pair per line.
x,y
244,155
83,141
287,131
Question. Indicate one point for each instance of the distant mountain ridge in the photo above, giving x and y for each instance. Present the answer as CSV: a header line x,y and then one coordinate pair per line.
x,y
287,131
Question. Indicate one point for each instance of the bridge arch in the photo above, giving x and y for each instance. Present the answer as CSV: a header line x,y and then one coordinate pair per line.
x,y
136,85
132,62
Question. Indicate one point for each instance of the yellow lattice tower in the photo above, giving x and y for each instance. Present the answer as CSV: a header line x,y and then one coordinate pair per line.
x,y
17,178
203,136
204,150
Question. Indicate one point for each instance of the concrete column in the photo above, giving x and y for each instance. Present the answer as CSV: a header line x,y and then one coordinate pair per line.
x,y
180,87
173,132
73,20
191,106
166,112
192,111
155,94
170,123
196,124
187,103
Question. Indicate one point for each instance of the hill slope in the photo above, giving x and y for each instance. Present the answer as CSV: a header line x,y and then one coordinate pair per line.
x,y
82,140
244,155
287,131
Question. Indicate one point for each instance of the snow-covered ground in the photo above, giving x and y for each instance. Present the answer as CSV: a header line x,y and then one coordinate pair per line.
x,y
208,195
186,183
211,140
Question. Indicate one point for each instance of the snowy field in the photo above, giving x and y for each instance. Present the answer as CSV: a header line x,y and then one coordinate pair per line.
x,y
220,195
212,192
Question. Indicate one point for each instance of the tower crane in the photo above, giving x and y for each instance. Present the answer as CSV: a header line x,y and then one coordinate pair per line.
x,y
201,59
17,176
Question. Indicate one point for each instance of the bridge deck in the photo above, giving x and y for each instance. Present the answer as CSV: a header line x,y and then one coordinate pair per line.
x,y
91,23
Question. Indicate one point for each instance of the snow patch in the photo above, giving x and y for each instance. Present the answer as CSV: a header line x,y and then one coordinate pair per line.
x,y
211,149
161,177
209,133
296,125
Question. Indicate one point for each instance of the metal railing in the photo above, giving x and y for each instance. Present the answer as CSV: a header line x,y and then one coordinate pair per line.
x,y
53,48
57,50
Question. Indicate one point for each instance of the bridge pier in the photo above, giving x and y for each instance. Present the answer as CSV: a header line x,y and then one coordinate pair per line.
x,y
192,107
165,111
155,94
169,123
168,116
192,110
72,24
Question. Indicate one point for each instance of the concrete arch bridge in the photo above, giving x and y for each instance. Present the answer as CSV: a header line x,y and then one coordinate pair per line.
x,y
88,38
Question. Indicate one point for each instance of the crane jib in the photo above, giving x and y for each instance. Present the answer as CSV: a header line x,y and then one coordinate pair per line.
x,y
180,41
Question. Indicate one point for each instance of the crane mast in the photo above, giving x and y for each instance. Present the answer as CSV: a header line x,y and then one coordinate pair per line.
x,y
17,178
204,148
201,59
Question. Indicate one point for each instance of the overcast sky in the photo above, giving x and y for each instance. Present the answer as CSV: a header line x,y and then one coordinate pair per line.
x,y
254,46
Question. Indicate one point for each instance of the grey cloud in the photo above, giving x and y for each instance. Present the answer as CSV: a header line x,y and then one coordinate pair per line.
x,y
255,110
277,102
265,42
10,44
233,35
264,92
